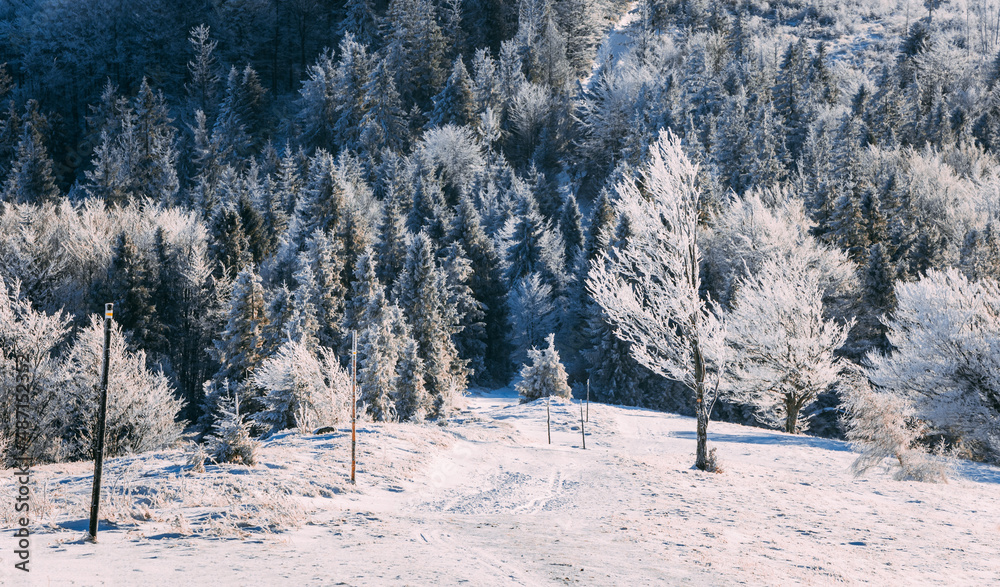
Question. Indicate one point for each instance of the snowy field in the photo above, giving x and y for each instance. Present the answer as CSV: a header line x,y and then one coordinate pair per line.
x,y
486,501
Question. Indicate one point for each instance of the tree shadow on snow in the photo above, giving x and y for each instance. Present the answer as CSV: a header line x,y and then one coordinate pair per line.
x,y
771,439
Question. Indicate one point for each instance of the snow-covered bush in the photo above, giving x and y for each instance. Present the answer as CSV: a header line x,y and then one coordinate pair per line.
x,y
27,341
782,346
880,426
142,407
545,375
945,361
302,390
230,441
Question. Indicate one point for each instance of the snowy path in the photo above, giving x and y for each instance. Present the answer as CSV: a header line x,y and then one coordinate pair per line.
x,y
486,501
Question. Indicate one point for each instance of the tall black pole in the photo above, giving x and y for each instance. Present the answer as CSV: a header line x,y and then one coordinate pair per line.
x,y
583,433
588,399
354,398
102,411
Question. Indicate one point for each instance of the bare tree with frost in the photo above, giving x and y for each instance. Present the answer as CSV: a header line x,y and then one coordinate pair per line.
x,y
650,287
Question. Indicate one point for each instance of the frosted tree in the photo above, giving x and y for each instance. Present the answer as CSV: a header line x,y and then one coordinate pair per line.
x,y
239,348
413,401
946,359
382,336
534,245
230,441
422,293
651,289
545,376
303,321
455,104
301,389
360,20
532,314
488,289
383,123
29,340
142,407
203,70
31,178
782,346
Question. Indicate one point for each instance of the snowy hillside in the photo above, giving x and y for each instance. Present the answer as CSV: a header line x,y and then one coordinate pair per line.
x,y
486,501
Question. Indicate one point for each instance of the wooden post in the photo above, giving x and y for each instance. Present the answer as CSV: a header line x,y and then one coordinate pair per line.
x,y
588,399
548,420
583,433
354,400
102,411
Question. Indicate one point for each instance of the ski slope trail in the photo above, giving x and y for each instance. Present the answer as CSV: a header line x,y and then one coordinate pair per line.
x,y
486,500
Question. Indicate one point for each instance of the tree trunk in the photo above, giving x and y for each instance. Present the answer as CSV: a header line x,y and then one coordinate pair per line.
x,y
792,408
701,458
701,455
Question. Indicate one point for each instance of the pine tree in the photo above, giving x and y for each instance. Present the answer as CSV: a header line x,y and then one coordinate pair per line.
x,y
31,179
488,289
422,293
229,245
230,441
532,314
394,240
204,76
571,223
360,21
417,48
413,401
455,104
470,334
239,347
328,262
545,376
383,124
534,246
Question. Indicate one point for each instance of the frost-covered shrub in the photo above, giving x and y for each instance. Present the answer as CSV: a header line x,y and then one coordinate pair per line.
x,y
27,341
142,408
945,361
545,375
230,441
302,390
880,426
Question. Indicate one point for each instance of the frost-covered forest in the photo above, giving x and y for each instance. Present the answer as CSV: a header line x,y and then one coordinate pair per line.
x,y
784,213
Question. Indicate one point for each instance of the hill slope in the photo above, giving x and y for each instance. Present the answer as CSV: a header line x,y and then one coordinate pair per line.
x,y
486,500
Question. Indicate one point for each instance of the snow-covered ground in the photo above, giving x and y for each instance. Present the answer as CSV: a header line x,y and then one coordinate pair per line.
x,y
486,500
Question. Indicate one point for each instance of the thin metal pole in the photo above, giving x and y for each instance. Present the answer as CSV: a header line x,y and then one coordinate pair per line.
x,y
583,433
354,400
102,411
588,399
548,420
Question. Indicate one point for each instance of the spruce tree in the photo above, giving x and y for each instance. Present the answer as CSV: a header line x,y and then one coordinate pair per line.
x,y
488,289
422,293
455,104
31,179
